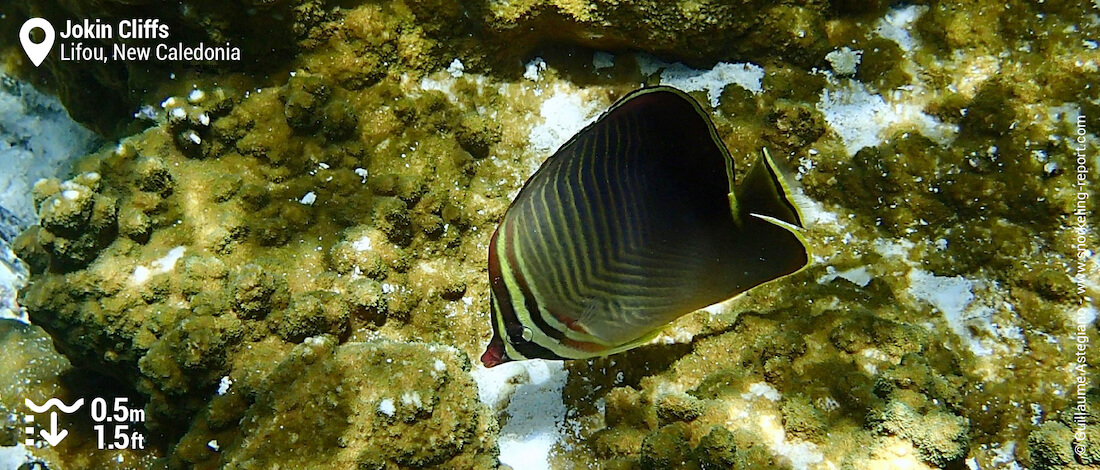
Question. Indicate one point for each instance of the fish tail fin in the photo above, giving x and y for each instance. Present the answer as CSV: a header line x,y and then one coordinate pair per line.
x,y
764,193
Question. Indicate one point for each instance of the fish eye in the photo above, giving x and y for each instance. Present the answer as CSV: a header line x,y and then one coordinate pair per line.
x,y
519,335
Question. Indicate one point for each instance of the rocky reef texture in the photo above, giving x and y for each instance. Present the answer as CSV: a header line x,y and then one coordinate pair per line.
x,y
316,239
356,405
37,140
38,373
29,356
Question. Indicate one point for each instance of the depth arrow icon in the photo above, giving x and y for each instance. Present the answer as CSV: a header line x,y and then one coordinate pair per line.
x,y
53,437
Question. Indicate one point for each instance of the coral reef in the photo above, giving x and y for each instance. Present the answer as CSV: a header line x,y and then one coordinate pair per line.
x,y
324,405
29,356
288,267
75,223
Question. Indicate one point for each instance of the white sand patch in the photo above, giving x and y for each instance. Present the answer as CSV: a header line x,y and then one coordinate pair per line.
x,y
762,390
677,335
813,212
602,60
15,456
362,244
534,68
13,276
898,248
713,81
387,407
563,115
952,295
858,276
895,26
159,266
801,455
865,119
456,68
224,384
531,391
443,81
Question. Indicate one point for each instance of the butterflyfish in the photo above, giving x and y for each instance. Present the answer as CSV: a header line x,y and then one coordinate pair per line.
x,y
631,224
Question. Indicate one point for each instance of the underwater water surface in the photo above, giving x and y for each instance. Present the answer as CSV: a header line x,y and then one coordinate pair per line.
x,y
273,248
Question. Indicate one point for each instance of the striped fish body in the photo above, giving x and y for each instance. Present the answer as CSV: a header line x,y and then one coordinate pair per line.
x,y
631,224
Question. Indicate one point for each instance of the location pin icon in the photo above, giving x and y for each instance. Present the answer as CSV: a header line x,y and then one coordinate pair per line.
x,y
36,52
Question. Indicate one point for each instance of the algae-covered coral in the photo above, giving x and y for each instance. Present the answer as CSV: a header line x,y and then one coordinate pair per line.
x,y
288,268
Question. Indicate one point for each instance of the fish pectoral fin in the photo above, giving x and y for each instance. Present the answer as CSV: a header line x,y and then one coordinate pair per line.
x,y
582,321
764,192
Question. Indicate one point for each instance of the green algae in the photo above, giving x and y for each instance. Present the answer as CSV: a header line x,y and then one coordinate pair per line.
x,y
424,415
939,437
1050,445
665,448
28,355
720,448
312,314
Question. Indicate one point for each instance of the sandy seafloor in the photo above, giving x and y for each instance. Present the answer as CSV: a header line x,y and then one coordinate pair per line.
x,y
289,272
